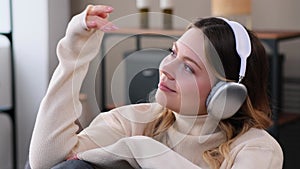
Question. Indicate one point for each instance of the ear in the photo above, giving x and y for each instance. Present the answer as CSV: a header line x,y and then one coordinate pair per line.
x,y
225,99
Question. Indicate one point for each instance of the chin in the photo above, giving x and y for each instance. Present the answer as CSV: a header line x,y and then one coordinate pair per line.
x,y
161,98
165,101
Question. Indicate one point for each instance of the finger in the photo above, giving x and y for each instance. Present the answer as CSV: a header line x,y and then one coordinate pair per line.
x,y
95,22
108,27
99,10
91,24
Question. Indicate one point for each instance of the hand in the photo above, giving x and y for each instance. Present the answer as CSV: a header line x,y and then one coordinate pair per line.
x,y
73,157
97,18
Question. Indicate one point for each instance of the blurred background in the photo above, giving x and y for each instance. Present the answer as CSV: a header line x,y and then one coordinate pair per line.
x,y
32,29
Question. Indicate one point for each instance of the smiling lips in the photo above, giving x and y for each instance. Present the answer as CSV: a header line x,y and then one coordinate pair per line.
x,y
162,86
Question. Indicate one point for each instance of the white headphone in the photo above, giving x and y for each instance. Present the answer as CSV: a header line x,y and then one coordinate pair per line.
x,y
226,98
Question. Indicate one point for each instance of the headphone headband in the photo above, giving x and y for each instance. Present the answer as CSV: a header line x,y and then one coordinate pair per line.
x,y
243,44
226,98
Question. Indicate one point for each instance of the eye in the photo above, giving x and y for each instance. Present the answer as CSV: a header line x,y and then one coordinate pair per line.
x,y
172,52
188,68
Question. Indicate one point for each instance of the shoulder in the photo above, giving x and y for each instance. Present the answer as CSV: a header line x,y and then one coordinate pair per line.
x,y
256,149
257,139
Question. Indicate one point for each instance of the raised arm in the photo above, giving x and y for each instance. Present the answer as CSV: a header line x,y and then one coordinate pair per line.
x,y
54,135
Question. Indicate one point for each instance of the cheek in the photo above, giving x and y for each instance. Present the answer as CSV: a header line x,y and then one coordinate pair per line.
x,y
195,90
204,89
188,90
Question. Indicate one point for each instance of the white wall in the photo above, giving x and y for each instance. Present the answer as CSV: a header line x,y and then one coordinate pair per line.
x,y
281,15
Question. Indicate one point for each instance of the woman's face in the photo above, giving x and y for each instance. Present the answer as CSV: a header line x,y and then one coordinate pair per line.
x,y
184,77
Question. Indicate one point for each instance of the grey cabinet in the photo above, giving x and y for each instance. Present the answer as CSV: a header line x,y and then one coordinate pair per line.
x,y
7,92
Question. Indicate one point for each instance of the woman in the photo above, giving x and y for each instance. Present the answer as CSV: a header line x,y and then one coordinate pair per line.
x,y
183,129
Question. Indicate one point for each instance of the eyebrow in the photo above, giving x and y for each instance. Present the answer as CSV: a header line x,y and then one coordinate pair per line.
x,y
188,58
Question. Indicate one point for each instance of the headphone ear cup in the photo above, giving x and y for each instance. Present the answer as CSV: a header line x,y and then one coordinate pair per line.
x,y
225,99
213,91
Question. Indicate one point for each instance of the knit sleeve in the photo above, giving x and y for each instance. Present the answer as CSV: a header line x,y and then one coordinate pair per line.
x,y
139,152
54,135
125,121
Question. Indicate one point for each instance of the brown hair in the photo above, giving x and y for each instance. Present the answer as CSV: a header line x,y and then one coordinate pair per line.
x,y
255,111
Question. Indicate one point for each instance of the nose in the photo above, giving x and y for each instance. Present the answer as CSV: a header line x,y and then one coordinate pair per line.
x,y
167,69
168,75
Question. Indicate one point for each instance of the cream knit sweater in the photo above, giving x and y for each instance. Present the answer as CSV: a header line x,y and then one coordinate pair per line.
x,y
117,135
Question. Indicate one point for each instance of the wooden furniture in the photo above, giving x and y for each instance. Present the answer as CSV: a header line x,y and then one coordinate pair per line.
x,y
270,38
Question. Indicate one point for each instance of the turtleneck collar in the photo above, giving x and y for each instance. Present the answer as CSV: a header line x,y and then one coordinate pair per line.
x,y
199,125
